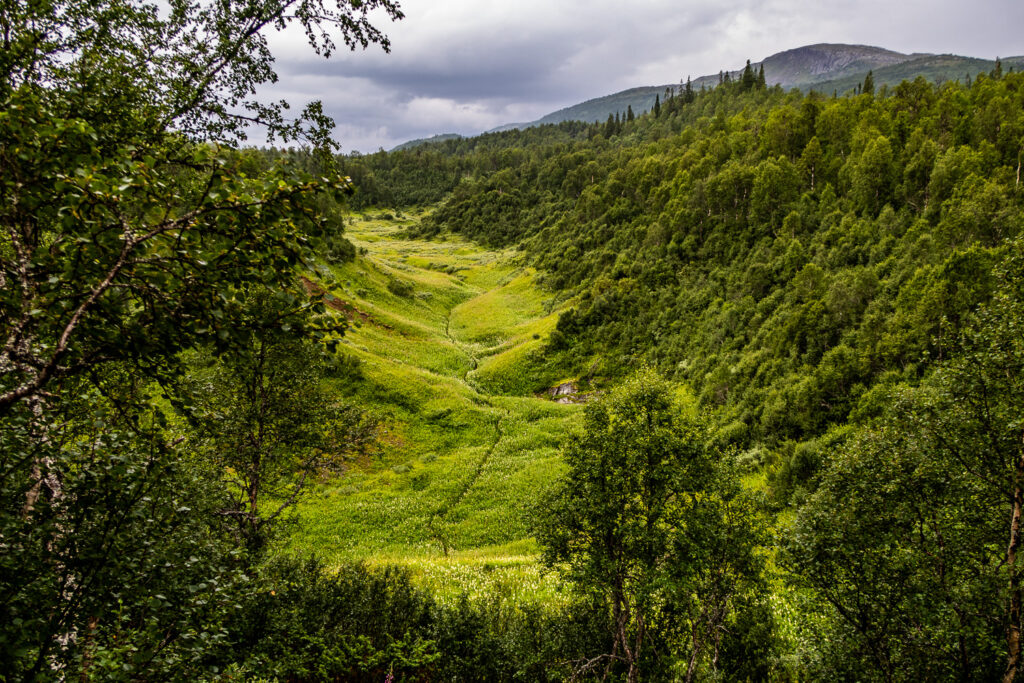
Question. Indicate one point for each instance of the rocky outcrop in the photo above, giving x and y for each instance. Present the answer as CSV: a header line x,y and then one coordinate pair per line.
x,y
568,392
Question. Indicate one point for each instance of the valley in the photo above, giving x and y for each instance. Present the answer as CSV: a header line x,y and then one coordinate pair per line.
x,y
465,448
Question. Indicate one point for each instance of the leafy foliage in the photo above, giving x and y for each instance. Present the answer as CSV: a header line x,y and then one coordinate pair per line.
x,y
127,236
261,415
649,519
114,566
912,535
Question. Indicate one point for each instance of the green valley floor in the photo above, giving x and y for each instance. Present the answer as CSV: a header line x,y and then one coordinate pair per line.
x,y
448,336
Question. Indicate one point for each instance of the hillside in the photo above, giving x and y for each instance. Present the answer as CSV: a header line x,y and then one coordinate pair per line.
x,y
824,67
640,99
838,282
780,274
933,68
426,141
805,66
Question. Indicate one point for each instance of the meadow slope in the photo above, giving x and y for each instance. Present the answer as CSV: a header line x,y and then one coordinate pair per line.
x,y
447,335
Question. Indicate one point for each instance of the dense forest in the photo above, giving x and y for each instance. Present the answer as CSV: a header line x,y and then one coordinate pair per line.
x,y
798,317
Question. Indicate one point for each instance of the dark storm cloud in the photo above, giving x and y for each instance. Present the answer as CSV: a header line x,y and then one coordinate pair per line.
x,y
465,73
469,65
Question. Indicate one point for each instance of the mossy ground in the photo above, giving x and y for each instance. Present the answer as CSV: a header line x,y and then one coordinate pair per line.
x,y
448,335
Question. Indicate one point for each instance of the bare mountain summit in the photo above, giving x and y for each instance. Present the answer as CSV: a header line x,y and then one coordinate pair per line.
x,y
825,62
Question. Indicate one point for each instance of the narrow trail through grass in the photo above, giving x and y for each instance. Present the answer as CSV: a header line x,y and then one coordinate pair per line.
x,y
439,517
441,514
448,338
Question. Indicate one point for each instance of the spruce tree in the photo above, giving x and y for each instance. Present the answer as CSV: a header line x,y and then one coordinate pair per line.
x,y
761,85
629,113
747,78
657,107
869,84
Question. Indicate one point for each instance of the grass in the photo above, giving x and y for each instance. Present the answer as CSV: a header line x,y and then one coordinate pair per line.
x,y
448,335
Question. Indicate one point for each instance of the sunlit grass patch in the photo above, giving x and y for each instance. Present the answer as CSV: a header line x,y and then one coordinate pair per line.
x,y
459,466
508,573
495,315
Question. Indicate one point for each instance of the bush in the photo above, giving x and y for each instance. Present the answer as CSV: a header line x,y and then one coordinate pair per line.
x,y
305,623
400,287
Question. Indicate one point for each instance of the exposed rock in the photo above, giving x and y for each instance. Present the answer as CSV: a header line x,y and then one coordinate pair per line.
x,y
565,389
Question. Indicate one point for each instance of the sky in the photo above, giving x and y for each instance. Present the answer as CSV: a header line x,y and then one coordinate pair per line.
x,y
467,66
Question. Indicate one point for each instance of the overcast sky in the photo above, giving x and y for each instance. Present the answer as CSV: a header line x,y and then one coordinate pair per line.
x,y
466,66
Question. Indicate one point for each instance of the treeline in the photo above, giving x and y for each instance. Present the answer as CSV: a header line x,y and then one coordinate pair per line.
x,y
426,173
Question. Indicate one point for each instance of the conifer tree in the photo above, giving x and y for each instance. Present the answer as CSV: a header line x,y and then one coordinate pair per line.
x,y
747,78
629,113
657,107
761,85
869,84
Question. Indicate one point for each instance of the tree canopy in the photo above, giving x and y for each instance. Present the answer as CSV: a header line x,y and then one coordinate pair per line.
x,y
652,520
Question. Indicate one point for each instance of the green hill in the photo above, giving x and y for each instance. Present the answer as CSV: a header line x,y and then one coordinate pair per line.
x,y
838,280
426,141
824,67
933,68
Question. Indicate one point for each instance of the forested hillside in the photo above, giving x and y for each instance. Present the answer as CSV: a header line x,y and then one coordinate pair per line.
x,y
824,67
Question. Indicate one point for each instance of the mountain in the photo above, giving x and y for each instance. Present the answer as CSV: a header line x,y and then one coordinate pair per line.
x,y
426,141
933,68
640,99
824,67
812,64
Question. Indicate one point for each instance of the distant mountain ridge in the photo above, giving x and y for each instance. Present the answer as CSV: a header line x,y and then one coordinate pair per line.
x,y
827,61
426,141
823,66
826,67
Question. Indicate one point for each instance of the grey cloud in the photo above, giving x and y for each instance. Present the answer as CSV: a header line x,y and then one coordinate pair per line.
x,y
468,65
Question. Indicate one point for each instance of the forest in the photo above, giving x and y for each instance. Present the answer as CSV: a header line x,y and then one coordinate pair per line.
x,y
259,404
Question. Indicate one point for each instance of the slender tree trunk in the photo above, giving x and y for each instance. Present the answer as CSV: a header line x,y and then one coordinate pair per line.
x,y
691,668
1013,627
622,619
1020,153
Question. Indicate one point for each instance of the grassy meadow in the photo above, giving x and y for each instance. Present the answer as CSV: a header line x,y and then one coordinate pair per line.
x,y
445,333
